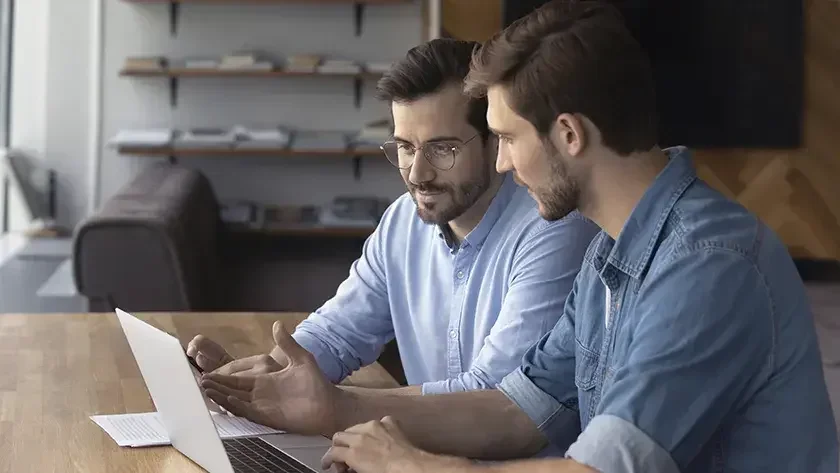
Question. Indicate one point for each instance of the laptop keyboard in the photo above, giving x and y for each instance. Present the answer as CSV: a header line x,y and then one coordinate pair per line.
x,y
248,455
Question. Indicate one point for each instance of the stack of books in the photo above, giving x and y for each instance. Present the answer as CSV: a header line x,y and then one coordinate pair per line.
x,y
146,63
152,138
303,63
339,66
246,61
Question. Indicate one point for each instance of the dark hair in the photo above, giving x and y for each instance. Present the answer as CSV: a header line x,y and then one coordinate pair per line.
x,y
429,67
573,56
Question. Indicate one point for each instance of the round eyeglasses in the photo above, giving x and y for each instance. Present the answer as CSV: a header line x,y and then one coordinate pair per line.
x,y
440,154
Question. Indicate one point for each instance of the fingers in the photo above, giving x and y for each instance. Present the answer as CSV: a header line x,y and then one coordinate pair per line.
x,y
207,353
212,385
346,439
336,456
236,366
239,383
294,352
231,404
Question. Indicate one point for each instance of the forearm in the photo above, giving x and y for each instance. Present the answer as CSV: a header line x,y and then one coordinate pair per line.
x,y
402,391
477,424
554,465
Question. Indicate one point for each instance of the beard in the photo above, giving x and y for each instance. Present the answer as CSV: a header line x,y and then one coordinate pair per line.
x,y
562,195
461,198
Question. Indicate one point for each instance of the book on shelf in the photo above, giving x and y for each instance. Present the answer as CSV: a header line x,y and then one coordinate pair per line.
x,y
246,61
205,138
145,63
261,138
377,67
373,134
319,141
304,63
338,66
149,138
199,63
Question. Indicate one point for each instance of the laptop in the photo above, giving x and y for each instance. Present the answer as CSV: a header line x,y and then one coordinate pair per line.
x,y
184,412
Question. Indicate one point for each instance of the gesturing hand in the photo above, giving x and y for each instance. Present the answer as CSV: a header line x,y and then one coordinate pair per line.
x,y
208,354
297,398
381,447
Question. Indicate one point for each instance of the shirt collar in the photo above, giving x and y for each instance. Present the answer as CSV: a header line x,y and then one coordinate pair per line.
x,y
478,234
632,251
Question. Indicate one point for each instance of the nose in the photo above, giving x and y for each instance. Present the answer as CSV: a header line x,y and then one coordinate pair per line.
x,y
503,161
421,171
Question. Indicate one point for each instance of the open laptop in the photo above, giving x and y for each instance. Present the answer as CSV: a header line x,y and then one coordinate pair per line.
x,y
182,409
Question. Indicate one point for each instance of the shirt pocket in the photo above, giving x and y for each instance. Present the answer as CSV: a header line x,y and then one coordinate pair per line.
x,y
586,370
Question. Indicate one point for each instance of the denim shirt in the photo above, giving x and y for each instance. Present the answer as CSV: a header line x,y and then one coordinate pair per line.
x,y
686,345
463,314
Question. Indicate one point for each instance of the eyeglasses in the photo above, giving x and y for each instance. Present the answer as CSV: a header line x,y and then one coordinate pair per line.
x,y
440,154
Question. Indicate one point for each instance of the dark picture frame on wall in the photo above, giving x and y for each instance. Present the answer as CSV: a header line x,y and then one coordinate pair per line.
x,y
729,74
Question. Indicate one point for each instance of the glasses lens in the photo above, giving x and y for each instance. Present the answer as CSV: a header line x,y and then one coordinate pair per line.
x,y
440,155
392,152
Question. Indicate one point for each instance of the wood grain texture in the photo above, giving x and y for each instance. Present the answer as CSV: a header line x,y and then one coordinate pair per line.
x,y
796,192
58,369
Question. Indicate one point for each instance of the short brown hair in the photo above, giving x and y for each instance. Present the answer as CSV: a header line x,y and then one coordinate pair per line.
x,y
429,67
573,56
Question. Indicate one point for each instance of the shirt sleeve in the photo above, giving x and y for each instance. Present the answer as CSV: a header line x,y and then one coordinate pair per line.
x,y
703,339
351,328
543,272
543,386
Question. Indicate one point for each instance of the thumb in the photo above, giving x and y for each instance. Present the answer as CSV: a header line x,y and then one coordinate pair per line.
x,y
288,345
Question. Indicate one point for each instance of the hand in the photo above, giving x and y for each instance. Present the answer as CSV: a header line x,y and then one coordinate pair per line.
x,y
252,365
208,354
298,398
381,447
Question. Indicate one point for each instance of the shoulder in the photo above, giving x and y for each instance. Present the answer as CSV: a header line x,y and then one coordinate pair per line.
x,y
704,222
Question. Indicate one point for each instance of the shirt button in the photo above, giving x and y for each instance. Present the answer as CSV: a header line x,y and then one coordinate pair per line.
x,y
460,275
453,334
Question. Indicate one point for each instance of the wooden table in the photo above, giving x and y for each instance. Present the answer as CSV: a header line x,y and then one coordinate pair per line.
x,y
58,369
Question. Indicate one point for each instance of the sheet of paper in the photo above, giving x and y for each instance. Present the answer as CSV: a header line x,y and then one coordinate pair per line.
x,y
146,429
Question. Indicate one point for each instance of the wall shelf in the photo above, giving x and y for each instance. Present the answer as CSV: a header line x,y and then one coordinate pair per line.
x,y
358,7
173,154
245,152
174,74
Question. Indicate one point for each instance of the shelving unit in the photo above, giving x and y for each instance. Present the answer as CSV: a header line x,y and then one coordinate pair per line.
x,y
358,6
173,154
175,74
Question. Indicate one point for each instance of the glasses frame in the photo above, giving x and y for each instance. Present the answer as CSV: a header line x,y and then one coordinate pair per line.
x,y
455,150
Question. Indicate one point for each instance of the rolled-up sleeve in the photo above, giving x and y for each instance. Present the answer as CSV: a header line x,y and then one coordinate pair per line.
x,y
351,328
542,276
630,450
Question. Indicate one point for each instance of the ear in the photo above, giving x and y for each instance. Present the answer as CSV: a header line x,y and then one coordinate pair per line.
x,y
569,134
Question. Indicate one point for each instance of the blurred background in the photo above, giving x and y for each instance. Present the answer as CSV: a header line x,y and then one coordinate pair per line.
x,y
223,155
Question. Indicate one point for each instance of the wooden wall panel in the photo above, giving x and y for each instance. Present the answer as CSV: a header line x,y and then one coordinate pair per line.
x,y
796,192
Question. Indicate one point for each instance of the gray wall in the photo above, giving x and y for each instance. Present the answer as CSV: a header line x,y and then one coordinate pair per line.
x,y
55,90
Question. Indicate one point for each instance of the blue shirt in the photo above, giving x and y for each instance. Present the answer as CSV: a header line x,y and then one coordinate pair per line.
x,y
686,345
463,315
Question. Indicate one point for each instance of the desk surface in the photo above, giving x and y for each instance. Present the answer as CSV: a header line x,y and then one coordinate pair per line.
x,y
58,369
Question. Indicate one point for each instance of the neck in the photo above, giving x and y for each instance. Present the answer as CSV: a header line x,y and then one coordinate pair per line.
x,y
467,221
610,205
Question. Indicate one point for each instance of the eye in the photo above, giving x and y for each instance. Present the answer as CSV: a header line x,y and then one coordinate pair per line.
x,y
405,148
505,139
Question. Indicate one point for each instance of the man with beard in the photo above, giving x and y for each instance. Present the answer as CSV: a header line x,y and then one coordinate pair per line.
x,y
461,270
687,344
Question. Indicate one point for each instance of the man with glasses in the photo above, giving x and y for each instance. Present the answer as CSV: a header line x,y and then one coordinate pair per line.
x,y
461,270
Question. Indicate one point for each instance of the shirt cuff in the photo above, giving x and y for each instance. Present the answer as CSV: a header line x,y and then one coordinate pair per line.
x,y
435,387
560,424
610,443
327,359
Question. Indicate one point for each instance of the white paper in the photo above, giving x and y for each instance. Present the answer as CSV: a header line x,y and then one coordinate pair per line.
x,y
146,429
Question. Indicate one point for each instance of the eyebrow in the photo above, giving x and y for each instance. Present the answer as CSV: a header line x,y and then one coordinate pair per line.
x,y
497,132
431,140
